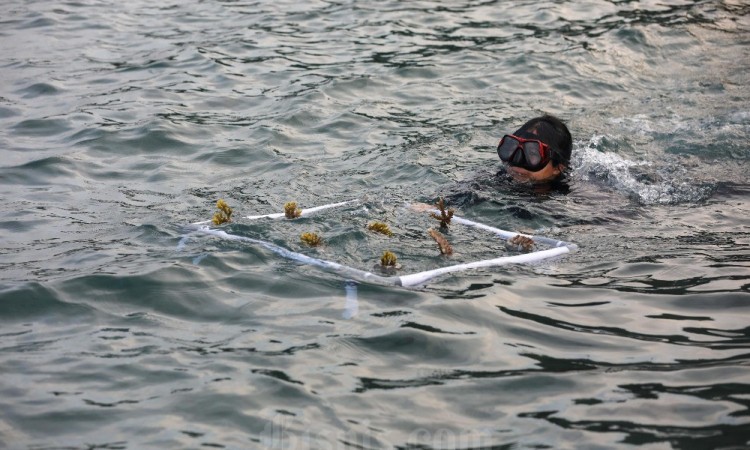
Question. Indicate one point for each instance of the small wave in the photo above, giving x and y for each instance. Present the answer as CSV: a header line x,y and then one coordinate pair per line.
x,y
643,181
39,90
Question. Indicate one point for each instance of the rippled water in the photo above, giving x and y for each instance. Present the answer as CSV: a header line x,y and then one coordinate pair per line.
x,y
122,122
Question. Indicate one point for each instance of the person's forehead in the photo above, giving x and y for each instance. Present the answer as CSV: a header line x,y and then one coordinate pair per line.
x,y
532,133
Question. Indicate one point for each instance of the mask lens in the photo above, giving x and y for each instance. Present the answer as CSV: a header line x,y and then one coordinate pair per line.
x,y
506,148
533,154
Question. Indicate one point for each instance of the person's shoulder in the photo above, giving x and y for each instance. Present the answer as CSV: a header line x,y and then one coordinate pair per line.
x,y
475,188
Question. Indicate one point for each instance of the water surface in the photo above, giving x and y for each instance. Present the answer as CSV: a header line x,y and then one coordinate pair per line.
x,y
124,122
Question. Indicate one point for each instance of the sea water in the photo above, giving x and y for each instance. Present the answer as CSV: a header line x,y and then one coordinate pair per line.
x,y
123,122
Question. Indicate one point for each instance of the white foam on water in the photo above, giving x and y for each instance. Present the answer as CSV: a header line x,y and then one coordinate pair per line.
x,y
643,181
647,125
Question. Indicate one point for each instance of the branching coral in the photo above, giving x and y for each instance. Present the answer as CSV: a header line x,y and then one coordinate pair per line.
x,y
224,214
291,211
380,227
442,242
388,259
445,215
311,239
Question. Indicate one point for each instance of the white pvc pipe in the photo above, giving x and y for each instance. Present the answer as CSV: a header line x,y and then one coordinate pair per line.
x,y
415,279
351,272
351,305
303,213
420,278
509,234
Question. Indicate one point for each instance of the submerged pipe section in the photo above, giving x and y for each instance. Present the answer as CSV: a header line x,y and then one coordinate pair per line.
x,y
415,279
347,271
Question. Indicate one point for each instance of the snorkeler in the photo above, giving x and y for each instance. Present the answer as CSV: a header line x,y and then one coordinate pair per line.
x,y
538,152
535,156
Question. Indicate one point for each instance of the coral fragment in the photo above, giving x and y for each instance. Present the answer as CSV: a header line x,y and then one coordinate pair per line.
x,y
520,243
442,242
311,239
224,214
291,211
380,227
445,215
388,259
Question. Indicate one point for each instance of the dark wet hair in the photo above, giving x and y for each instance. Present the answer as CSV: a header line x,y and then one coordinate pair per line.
x,y
553,132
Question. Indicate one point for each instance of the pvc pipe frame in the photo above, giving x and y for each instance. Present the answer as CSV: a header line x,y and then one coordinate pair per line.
x,y
304,212
411,280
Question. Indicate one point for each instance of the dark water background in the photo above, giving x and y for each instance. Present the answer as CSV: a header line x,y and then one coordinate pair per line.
x,y
124,121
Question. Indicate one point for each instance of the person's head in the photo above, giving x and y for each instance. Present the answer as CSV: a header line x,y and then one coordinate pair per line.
x,y
538,151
